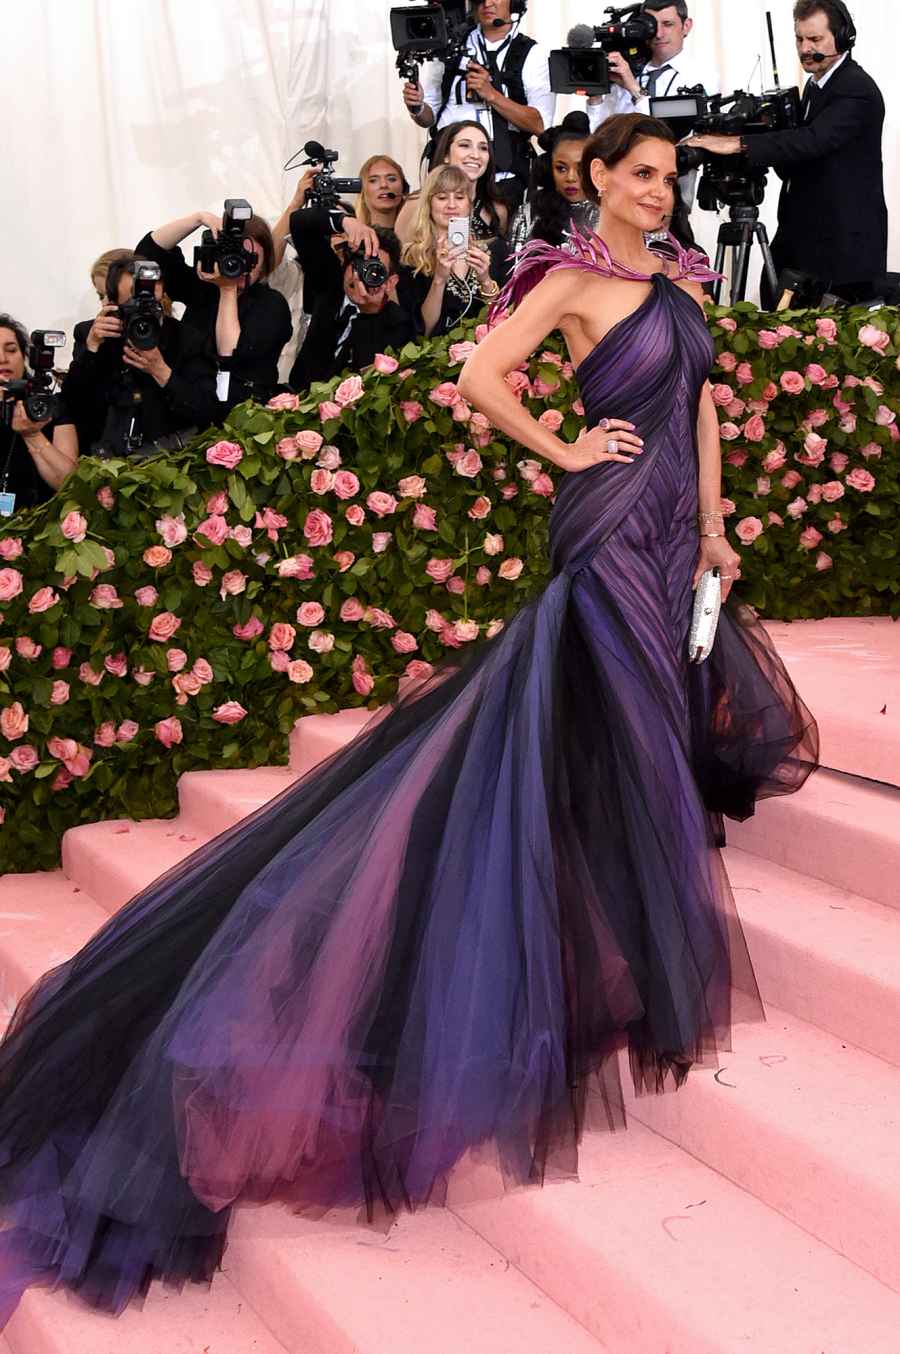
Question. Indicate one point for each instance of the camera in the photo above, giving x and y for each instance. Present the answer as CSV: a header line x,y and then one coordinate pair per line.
x,y
582,67
142,315
437,31
327,188
226,251
370,271
727,180
35,391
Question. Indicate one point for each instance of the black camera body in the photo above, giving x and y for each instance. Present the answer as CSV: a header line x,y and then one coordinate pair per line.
x,y
727,180
142,315
327,188
226,251
437,31
35,391
370,271
582,67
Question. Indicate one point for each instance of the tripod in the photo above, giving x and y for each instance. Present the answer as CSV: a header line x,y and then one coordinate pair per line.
x,y
737,235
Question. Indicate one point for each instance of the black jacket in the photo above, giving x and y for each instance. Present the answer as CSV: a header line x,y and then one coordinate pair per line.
x,y
320,357
832,217
456,307
264,315
99,390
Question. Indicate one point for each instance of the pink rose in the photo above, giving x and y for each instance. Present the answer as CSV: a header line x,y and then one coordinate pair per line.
x,y
848,423
722,394
791,479
329,410
814,448
317,528
163,627
10,584
299,671
434,621
469,465
321,641
763,486
157,556
774,460
296,566
310,613
349,391
755,428
232,712
127,731
24,758
282,636
202,670
727,361
815,374
26,648
74,526
381,540
147,596
105,598
728,323
105,497
774,520
439,570
480,430
308,443
11,547
88,674
823,561
250,629
861,480
321,482
832,491
870,336
378,619
826,329
424,518
381,503
172,529
169,731
116,664
461,352
816,418
417,671
493,544
5,657
355,515
744,374
404,642
202,574
345,484
286,400
796,508
884,416
792,383
233,583
363,682
552,419
413,486
59,693
13,722
411,410
352,610
483,576
748,529
63,749
810,538
186,684
142,676
480,509
735,409
287,449
279,661
242,535
737,457
42,600
176,659
542,389
871,451
62,657
466,631
386,366
105,735
446,395
214,529
511,569
543,486
837,524
766,338
344,559
729,431
456,585
216,505
814,493
727,507
329,459
227,454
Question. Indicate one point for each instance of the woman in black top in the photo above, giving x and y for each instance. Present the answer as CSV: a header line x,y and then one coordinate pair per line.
x,y
35,458
245,323
557,199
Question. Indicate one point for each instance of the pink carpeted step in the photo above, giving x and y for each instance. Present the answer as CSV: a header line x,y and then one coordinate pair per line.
x,y
44,920
847,669
429,1286
199,1320
657,1254
316,737
825,955
837,828
807,1124
212,801
113,861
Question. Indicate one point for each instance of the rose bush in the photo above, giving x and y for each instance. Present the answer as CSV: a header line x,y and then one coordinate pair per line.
x,y
183,613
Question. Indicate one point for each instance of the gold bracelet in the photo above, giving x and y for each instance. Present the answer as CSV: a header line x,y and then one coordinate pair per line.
x,y
489,295
711,516
712,534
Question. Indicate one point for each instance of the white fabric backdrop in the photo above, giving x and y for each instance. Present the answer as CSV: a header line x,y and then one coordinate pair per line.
x,y
125,113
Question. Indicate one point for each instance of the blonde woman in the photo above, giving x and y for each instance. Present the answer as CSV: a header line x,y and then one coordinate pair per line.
x,y
449,284
384,192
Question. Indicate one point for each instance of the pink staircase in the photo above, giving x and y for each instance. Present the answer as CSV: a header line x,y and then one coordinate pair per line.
x,y
757,1209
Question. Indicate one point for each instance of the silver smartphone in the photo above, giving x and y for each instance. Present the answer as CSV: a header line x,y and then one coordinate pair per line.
x,y
458,233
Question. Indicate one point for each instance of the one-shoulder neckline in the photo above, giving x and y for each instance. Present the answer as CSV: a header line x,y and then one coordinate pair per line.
x,y
632,314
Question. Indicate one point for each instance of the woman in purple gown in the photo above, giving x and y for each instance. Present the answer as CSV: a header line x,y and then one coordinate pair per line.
x,y
441,940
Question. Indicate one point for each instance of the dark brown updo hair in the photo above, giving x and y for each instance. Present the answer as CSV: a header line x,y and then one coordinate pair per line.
x,y
613,140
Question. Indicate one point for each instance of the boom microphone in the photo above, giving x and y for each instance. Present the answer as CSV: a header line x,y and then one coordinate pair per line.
x,y
315,150
818,57
582,35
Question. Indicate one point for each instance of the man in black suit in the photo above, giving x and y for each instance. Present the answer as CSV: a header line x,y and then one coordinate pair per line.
x,y
832,217
349,322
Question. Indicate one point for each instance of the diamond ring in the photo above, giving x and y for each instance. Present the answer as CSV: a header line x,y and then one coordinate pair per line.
x,y
603,425
612,446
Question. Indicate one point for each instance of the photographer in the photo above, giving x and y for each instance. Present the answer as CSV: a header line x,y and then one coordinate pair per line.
x,y
129,400
502,80
350,321
244,323
832,217
669,69
35,457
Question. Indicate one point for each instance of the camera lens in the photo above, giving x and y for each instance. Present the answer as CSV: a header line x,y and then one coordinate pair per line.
x,y
39,407
143,333
421,27
231,266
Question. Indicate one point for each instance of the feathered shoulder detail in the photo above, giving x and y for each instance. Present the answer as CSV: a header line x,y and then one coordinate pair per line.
x,y
586,251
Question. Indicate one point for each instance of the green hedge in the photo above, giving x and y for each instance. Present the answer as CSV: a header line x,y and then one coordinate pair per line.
x,y
182,614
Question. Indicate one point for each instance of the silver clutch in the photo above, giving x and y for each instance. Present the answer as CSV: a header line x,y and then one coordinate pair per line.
x,y
707,605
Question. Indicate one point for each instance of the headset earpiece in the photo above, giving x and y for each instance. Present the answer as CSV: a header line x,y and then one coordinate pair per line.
x,y
845,35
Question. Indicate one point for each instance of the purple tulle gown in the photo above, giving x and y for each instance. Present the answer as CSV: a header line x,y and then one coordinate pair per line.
x,y
441,939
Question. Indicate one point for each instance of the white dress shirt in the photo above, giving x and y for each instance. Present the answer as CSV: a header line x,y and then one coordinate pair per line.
x,y
683,73
822,80
535,76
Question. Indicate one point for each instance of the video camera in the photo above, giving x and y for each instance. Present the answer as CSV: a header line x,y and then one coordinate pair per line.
x,y
437,31
582,67
226,251
35,391
141,315
727,180
327,189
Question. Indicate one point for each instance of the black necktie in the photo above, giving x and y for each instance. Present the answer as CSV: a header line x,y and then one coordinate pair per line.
x,y
650,79
811,96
